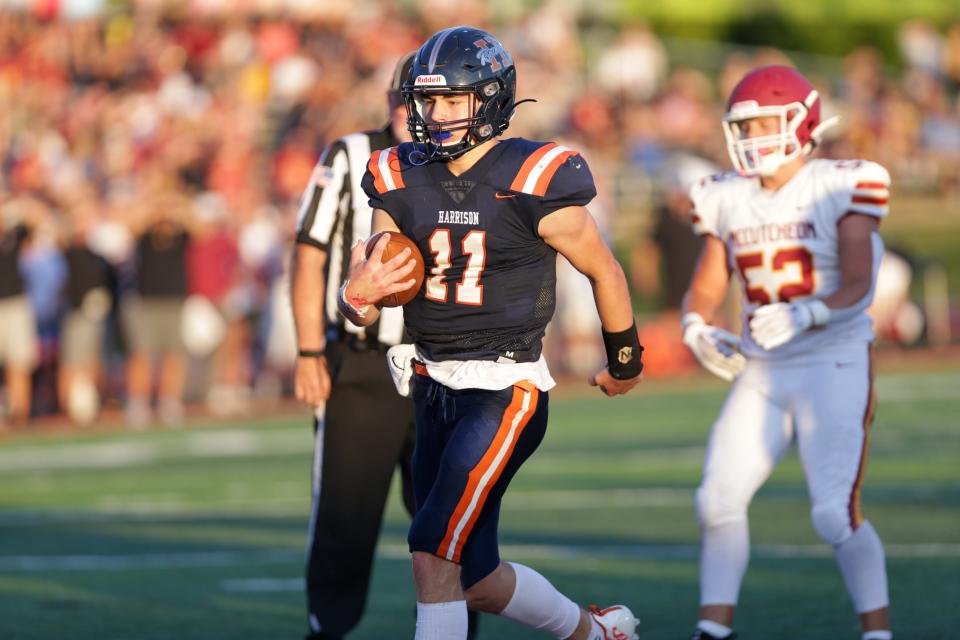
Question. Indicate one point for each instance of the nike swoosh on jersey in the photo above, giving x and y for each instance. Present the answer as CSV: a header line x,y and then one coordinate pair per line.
x,y
501,196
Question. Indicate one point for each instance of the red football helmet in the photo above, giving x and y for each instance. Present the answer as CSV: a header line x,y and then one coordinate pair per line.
x,y
781,92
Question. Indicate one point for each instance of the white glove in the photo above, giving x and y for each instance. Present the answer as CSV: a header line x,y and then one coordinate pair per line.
x,y
716,349
400,362
775,324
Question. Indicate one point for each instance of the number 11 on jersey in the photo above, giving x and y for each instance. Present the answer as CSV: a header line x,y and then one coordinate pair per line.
x,y
469,290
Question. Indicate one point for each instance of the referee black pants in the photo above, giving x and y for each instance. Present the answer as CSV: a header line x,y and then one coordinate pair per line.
x,y
367,432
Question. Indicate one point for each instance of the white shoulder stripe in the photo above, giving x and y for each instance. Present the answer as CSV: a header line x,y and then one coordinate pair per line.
x,y
531,182
876,193
384,164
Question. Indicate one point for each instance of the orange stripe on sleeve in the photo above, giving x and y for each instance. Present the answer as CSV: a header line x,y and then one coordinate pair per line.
x,y
491,465
544,180
374,166
528,166
869,200
872,185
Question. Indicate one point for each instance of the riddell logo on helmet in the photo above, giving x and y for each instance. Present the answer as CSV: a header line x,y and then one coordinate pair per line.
x,y
436,80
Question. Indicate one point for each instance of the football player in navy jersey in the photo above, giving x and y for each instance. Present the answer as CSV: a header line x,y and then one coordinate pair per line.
x,y
489,216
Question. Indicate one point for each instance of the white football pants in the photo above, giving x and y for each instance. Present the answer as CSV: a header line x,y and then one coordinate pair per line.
x,y
826,402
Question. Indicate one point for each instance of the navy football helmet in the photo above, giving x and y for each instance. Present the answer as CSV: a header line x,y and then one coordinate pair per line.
x,y
461,60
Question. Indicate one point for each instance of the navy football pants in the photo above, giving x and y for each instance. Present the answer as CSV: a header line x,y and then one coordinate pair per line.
x,y
469,445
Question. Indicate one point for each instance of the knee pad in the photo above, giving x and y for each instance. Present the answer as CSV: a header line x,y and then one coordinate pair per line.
x,y
715,508
832,522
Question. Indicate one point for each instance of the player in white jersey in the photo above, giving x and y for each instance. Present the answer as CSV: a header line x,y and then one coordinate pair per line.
x,y
801,235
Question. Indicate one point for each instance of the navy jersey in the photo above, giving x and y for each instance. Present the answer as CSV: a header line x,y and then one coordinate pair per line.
x,y
489,289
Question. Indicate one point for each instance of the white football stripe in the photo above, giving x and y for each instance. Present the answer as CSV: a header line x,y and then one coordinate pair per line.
x,y
485,479
432,63
538,169
384,164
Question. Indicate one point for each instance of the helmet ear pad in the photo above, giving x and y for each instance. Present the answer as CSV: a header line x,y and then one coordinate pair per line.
x,y
496,109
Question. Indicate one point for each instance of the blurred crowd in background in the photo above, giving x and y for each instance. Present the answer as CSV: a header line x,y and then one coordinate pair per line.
x,y
153,159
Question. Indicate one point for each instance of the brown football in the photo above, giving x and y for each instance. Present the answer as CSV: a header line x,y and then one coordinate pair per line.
x,y
397,243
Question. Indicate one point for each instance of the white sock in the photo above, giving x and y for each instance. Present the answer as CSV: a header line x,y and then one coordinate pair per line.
x,y
724,554
537,604
864,570
715,629
442,620
878,634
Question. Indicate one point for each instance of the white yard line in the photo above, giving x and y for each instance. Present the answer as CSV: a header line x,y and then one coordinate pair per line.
x,y
596,498
138,562
262,584
134,508
224,443
30,564
685,551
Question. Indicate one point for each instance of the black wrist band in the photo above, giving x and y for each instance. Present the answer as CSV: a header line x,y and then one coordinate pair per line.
x,y
624,353
310,353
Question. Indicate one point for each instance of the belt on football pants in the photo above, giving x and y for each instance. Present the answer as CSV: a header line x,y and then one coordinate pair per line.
x,y
420,369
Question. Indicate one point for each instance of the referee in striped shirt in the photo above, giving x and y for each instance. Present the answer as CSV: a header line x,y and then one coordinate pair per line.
x,y
363,428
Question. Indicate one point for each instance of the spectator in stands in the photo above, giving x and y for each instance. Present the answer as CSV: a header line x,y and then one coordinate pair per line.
x,y
18,332
213,266
152,317
129,100
89,292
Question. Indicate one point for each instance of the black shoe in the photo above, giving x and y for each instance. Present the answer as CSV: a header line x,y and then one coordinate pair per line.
x,y
703,635
321,636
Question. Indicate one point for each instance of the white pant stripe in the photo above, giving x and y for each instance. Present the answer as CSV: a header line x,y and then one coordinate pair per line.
x,y
485,479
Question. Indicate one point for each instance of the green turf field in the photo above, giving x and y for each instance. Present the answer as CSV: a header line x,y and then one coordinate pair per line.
x,y
199,533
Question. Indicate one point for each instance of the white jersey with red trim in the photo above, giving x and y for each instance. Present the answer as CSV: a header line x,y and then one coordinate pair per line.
x,y
783,245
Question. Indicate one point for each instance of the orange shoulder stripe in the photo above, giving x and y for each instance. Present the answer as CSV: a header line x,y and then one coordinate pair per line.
x,y
544,180
868,200
528,166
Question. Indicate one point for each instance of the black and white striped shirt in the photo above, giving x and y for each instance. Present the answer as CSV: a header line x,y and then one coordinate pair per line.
x,y
334,214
